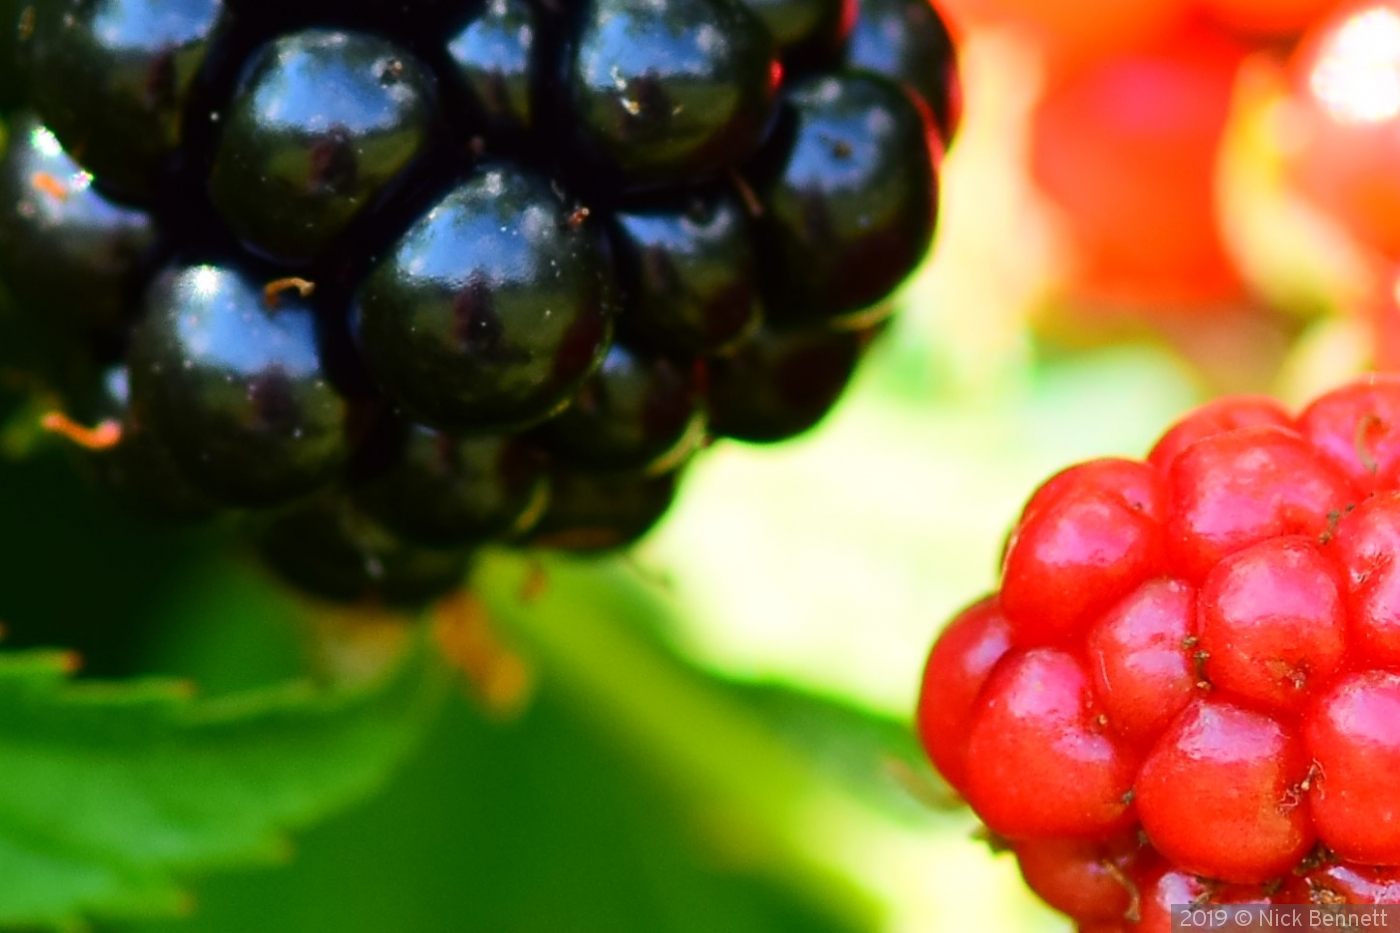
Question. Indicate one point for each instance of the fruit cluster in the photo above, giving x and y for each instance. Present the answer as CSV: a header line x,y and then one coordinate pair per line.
x,y
394,279
1186,689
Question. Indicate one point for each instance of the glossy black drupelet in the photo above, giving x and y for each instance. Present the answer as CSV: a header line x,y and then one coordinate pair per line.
x,y
492,309
232,380
141,468
851,210
635,413
64,246
602,511
322,123
494,66
781,383
808,32
906,41
113,79
328,548
445,491
665,93
396,279
688,273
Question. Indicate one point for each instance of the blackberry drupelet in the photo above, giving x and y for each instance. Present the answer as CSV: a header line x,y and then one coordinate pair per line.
x,y
64,246
689,274
807,32
905,40
634,413
781,383
114,81
591,511
322,122
851,211
328,548
236,386
445,491
493,64
493,309
665,93
395,279
139,467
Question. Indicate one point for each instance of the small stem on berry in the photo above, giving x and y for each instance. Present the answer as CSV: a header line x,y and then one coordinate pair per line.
x,y
1199,658
1364,429
273,291
746,192
104,436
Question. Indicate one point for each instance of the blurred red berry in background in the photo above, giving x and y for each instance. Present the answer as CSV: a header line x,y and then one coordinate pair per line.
x,y
1343,145
1126,148
1070,29
1268,17
1381,310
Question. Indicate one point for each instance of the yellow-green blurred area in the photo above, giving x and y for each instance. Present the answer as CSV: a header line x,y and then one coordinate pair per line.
x,y
715,735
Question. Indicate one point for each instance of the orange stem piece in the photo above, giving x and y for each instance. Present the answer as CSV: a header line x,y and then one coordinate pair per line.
x,y
272,292
104,436
500,678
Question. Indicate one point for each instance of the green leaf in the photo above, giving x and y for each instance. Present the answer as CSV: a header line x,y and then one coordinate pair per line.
x,y
532,826
635,793
110,792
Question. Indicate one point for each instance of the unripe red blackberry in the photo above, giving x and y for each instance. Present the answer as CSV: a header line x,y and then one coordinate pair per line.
x,y
1185,685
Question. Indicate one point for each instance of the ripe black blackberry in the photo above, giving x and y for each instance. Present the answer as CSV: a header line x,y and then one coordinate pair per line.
x,y
394,279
